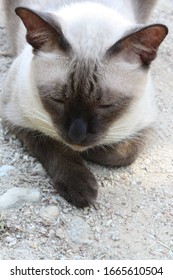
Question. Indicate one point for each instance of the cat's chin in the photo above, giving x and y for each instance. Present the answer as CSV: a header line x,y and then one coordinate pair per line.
x,y
81,147
78,148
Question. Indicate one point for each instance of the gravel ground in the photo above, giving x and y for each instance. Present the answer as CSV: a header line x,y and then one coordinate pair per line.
x,y
133,216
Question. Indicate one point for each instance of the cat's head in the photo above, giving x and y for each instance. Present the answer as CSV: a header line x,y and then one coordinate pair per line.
x,y
90,68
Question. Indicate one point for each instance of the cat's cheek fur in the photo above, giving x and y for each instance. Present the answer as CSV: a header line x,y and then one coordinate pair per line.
x,y
19,106
141,111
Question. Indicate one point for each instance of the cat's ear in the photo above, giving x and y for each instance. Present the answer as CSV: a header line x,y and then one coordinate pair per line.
x,y
142,44
42,31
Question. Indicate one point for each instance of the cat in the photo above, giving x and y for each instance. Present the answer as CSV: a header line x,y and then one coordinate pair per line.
x,y
80,85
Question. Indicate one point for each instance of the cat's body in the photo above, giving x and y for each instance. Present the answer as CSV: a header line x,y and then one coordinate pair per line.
x,y
83,83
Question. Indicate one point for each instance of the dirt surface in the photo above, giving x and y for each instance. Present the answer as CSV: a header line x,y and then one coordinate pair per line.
x,y
133,216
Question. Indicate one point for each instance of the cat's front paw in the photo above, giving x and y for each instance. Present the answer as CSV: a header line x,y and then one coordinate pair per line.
x,y
80,189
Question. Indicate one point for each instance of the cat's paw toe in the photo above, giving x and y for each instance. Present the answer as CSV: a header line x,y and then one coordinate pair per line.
x,y
81,192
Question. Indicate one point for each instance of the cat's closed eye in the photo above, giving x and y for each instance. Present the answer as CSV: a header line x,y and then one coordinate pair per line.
x,y
57,100
106,106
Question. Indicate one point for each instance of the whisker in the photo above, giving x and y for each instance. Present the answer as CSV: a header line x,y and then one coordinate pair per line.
x,y
37,115
35,111
47,128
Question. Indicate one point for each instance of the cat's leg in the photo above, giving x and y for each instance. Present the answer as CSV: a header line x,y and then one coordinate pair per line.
x,y
117,155
71,177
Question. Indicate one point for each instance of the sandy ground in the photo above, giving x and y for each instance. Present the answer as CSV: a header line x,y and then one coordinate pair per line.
x,y
133,218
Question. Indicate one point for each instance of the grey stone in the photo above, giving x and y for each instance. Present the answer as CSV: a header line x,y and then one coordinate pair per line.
x,y
80,231
5,170
60,233
49,214
16,196
38,170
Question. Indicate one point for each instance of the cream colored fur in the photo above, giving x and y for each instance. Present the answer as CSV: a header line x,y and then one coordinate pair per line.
x,y
91,28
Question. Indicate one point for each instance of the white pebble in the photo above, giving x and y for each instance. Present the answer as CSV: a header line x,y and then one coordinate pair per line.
x,y
115,236
49,214
80,231
26,158
60,233
17,196
5,170
10,239
16,157
38,169
109,222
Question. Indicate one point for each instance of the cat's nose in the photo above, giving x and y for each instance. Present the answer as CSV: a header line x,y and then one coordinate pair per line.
x,y
78,130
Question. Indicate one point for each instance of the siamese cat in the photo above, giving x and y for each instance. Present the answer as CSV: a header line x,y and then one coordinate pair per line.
x,y
80,85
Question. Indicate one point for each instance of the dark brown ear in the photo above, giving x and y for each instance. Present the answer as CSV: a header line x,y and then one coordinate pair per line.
x,y
42,31
143,43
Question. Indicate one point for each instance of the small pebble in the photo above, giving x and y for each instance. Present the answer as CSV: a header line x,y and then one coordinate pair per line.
x,y
49,214
97,236
10,240
80,231
38,169
60,233
6,170
115,236
26,158
109,222
16,157
51,233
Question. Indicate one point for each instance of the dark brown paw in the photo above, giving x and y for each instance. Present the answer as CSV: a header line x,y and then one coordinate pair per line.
x,y
80,190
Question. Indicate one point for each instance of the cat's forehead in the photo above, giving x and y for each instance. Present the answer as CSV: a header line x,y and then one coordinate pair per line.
x,y
91,30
